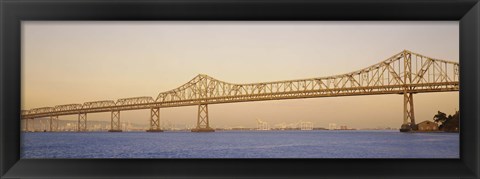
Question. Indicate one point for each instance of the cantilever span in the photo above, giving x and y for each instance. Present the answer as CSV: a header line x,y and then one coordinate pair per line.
x,y
404,73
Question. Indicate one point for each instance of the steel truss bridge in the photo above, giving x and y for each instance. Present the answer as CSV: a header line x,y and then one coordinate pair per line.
x,y
404,73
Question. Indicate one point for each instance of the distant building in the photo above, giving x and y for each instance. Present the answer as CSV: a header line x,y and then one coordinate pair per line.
x,y
306,125
332,126
427,126
262,125
343,128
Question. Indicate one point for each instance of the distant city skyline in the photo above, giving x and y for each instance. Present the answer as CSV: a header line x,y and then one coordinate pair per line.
x,y
126,126
77,62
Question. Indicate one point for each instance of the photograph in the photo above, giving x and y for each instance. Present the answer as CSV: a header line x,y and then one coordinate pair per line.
x,y
240,89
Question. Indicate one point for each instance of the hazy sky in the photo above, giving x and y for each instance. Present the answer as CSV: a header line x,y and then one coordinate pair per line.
x,y
76,62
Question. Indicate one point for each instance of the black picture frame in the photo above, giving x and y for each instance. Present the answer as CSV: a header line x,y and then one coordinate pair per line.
x,y
467,12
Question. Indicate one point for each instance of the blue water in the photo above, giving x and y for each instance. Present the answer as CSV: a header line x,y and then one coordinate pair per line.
x,y
241,144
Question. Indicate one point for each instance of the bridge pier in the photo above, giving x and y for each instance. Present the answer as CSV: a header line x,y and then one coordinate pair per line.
x,y
154,120
202,120
53,123
408,114
25,123
115,125
82,122
32,124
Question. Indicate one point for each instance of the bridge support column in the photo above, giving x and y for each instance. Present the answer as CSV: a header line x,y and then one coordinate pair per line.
x,y
32,123
408,113
25,124
155,120
202,120
115,125
53,123
82,122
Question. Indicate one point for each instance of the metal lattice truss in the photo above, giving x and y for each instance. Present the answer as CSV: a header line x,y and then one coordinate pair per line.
x,y
67,107
155,119
39,110
53,123
115,121
202,117
82,122
98,104
404,73
135,101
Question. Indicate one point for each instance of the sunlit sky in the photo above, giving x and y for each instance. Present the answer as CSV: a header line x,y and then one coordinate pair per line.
x,y
77,62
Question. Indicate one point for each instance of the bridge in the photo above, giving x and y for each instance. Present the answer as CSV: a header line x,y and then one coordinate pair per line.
x,y
405,73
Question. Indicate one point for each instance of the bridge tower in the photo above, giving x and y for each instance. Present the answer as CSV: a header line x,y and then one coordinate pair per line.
x,y
155,120
115,125
202,120
82,122
408,110
204,89
53,123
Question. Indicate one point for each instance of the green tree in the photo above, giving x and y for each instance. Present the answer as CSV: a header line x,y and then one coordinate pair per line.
x,y
440,117
452,123
449,123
